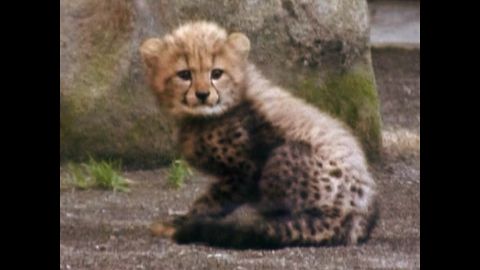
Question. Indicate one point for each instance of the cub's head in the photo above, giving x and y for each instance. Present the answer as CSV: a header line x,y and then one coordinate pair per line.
x,y
198,69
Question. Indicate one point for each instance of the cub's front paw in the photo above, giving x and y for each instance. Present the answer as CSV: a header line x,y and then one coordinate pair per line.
x,y
163,229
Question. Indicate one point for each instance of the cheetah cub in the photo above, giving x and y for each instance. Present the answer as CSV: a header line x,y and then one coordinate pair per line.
x,y
301,170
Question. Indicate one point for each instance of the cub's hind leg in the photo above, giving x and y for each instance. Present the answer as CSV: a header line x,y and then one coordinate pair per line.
x,y
315,196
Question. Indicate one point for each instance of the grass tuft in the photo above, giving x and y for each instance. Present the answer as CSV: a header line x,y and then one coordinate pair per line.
x,y
178,172
96,174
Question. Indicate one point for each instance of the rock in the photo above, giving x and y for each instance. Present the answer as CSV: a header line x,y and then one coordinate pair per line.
x,y
318,49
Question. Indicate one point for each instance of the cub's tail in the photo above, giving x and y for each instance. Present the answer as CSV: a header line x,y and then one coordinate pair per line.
x,y
277,232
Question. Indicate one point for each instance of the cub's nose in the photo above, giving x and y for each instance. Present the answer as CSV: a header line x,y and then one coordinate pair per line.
x,y
202,95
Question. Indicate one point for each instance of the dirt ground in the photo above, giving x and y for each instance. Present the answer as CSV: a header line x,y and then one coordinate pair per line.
x,y
107,230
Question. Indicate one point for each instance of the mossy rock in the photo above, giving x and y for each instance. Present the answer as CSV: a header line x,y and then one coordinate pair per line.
x,y
318,49
350,96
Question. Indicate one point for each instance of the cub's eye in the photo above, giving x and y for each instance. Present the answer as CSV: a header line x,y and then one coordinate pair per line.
x,y
185,75
216,74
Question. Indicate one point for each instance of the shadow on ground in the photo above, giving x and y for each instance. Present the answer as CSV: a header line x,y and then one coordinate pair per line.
x,y
106,230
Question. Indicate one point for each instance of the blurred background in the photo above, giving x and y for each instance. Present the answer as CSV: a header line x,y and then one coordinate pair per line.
x,y
395,23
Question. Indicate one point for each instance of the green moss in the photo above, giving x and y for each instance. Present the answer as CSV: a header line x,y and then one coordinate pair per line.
x,y
352,97
70,140
77,137
100,66
139,140
93,80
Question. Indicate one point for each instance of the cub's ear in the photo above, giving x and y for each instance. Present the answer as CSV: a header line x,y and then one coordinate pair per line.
x,y
150,51
240,43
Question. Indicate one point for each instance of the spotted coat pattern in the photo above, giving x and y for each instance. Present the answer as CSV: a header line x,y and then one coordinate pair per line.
x,y
304,198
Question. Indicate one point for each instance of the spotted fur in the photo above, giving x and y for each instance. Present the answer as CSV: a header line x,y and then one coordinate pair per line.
x,y
301,169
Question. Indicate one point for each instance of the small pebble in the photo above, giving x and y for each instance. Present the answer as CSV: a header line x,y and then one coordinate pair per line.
x,y
100,247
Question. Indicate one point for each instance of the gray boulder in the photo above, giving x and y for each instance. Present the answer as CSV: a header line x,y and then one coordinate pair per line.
x,y
317,49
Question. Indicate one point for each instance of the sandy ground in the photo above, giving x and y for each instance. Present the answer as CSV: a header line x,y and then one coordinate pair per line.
x,y
107,230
